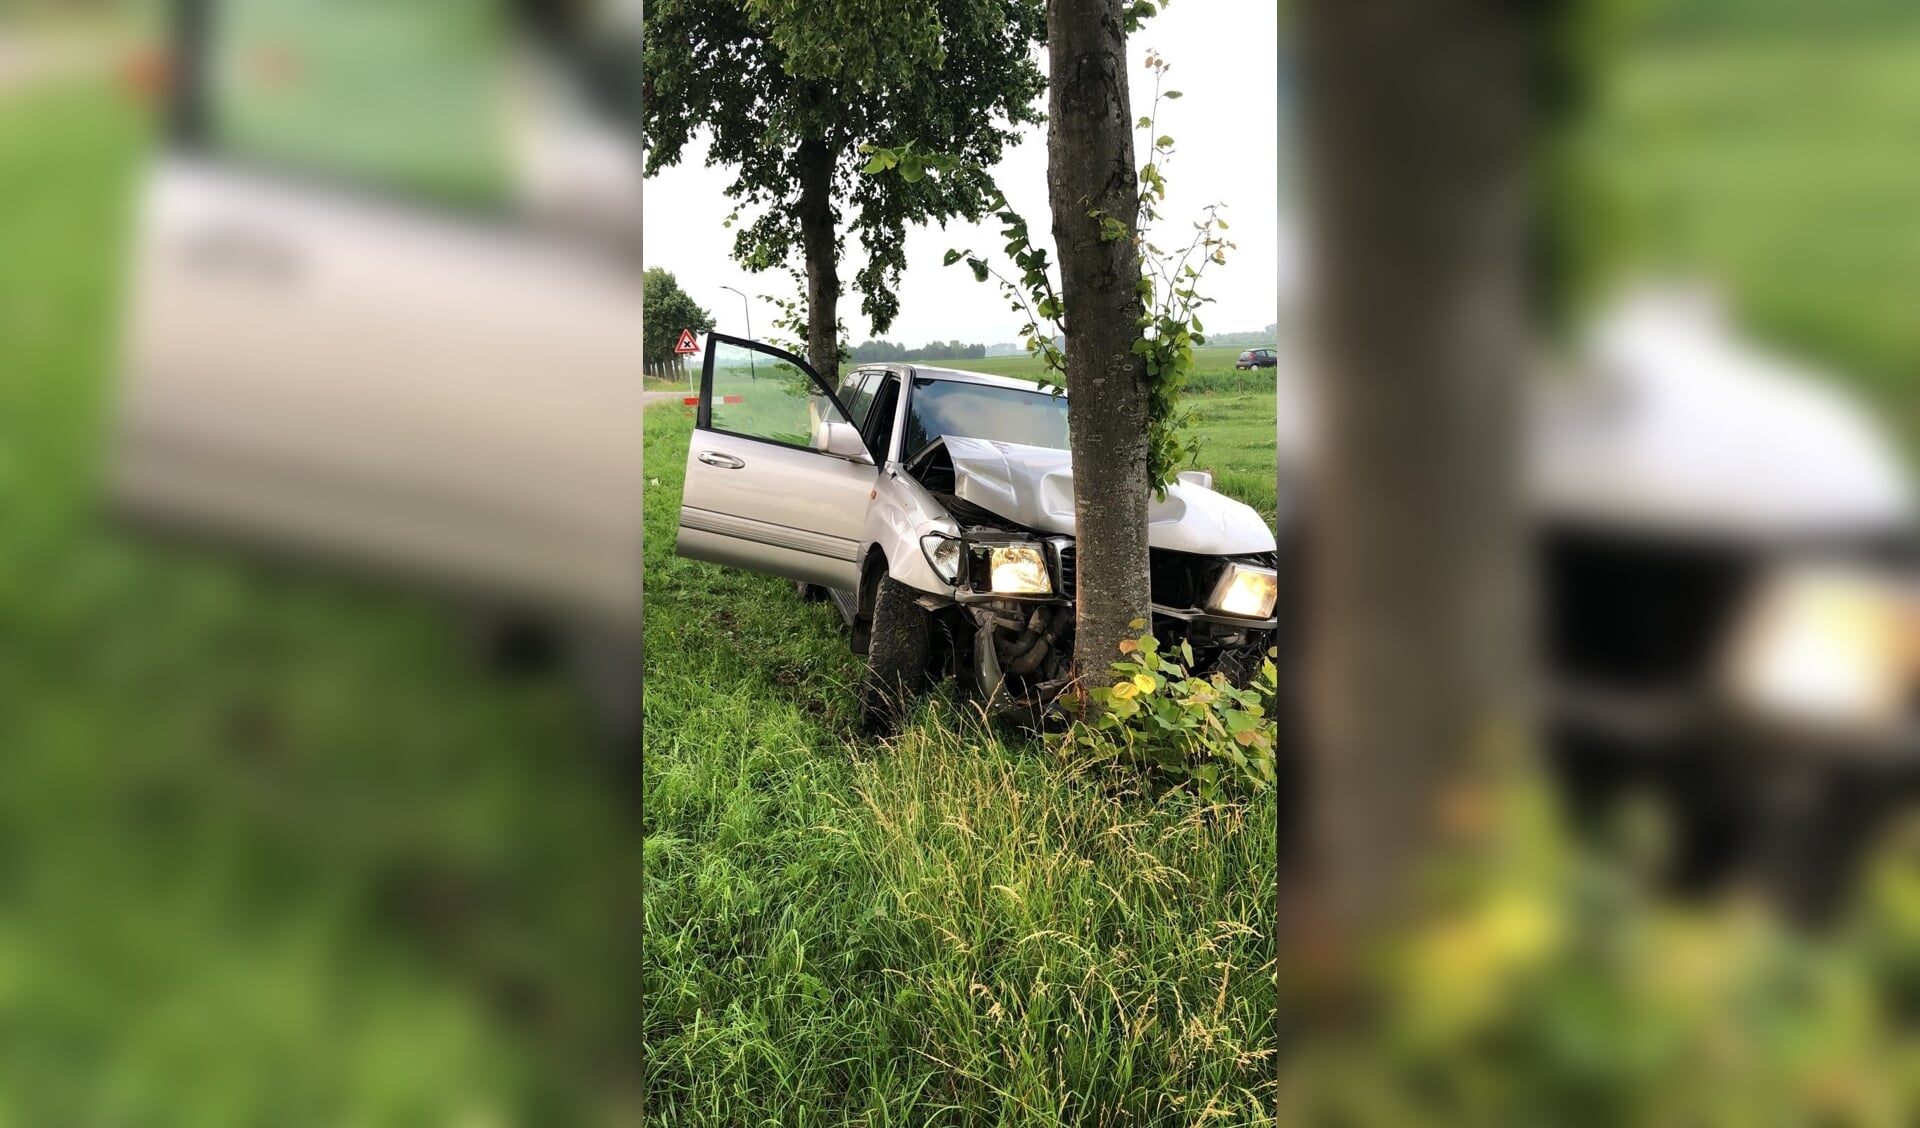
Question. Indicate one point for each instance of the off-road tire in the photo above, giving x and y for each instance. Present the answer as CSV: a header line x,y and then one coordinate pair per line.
x,y
897,654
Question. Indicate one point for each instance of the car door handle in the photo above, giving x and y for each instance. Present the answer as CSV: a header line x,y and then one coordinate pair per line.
x,y
723,461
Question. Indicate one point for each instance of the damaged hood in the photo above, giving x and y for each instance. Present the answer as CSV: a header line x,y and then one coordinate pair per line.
x,y
1033,486
1670,420
1679,422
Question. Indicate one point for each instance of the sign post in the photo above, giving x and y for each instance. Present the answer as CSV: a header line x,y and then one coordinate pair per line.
x,y
685,346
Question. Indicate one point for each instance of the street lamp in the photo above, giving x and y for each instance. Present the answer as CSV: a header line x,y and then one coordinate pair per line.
x,y
748,310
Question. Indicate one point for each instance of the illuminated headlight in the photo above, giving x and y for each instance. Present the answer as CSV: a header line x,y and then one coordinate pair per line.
x,y
1246,591
1827,647
1018,569
944,554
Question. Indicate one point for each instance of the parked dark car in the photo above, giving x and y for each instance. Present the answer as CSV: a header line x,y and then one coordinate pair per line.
x,y
1256,358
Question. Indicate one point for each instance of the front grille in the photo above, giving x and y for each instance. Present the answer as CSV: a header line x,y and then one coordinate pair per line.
x,y
1637,612
1181,579
1177,579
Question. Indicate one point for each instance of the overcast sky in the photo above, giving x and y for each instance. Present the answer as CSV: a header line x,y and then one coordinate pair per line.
x,y
1222,58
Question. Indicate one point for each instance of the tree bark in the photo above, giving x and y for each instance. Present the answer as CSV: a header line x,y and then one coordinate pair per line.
x,y
1419,124
818,244
1090,168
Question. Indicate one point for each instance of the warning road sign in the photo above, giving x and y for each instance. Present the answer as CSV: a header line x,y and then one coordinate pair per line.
x,y
685,344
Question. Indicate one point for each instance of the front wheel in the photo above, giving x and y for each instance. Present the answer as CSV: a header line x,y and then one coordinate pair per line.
x,y
897,655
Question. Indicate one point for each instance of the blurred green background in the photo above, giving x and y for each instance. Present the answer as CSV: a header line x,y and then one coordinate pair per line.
x,y
1769,147
276,850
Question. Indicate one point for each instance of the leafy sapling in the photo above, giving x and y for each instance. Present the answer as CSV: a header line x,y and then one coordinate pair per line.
x,y
1169,283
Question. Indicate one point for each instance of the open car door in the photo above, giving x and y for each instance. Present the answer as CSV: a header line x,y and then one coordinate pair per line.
x,y
361,327
778,479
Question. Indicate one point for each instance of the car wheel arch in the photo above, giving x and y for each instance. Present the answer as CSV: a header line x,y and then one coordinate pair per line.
x,y
873,566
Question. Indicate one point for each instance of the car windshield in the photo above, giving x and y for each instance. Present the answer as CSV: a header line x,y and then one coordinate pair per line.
x,y
980,411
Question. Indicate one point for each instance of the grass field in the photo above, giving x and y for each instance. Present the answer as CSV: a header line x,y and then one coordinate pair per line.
x,y
952,928
1784,168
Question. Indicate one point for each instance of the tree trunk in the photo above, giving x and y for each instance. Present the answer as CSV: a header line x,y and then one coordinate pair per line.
x,y
1419,124
818,243
1090,167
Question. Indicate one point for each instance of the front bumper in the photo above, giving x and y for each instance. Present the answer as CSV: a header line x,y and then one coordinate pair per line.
x,y
1652,726
1179,583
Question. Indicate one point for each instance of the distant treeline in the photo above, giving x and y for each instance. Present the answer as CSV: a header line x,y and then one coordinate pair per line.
x,y
867,352
1262,338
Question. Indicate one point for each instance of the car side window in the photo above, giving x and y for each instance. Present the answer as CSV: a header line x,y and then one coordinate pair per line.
x,y
758,396
857,394
405,98
879,424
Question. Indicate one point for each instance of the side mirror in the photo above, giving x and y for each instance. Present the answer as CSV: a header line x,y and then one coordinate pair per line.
x,y
842,440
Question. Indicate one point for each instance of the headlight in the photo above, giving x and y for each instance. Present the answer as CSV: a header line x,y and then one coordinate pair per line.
x,y
1827,647
944,554
1247,591
1018,569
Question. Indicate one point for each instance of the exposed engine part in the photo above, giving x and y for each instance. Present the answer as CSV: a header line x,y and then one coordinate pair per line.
x,y
1018,647
986,664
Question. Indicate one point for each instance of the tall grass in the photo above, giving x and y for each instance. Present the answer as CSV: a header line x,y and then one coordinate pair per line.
x,y
954,927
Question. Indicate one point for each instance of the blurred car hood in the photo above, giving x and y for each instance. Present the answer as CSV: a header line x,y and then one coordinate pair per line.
x,y
1033,487
1670,421
1676,422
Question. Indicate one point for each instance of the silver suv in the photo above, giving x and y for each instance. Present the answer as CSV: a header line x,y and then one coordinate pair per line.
x,y
935,508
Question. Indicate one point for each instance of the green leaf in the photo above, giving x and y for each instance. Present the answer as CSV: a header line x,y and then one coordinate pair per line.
x,y
1164,141
912,167
877,164
1173,94
952,256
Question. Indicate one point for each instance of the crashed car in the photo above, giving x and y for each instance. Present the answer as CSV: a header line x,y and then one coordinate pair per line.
x,y
1727,579
395,335
935,508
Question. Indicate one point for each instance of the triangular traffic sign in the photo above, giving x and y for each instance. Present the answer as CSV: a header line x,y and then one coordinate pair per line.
x,y
686,343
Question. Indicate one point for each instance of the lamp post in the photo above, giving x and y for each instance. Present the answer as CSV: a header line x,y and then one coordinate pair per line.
x,y
748,311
